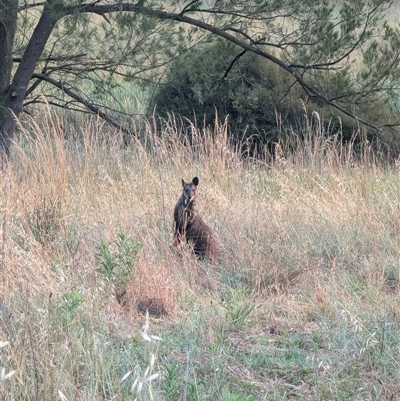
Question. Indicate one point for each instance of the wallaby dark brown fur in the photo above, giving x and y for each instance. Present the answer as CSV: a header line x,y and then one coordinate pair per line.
x,y
189,226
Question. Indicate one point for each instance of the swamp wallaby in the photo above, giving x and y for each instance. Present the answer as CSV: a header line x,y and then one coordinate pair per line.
x,y
189,226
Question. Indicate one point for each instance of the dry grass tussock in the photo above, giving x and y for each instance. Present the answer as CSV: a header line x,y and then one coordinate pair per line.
x,y
310,231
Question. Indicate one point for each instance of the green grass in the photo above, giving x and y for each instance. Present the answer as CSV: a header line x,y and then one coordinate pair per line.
x,y
302,304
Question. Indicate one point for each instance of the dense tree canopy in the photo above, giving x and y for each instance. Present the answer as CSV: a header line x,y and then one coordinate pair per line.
x,y
73,51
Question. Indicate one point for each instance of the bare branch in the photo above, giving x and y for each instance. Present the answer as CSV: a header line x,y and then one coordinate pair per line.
x,y
54,59
233,63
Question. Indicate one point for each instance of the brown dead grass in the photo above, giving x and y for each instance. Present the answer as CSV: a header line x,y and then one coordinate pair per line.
x,y
76,197
311,234
62,198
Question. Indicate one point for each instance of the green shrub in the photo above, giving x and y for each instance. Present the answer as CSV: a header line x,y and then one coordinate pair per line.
x,y
262,100
117,261
214,79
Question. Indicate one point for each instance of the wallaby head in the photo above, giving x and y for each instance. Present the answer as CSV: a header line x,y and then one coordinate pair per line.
x,y
189,192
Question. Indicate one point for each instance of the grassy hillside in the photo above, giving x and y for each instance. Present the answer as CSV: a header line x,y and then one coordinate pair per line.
x,y
303,303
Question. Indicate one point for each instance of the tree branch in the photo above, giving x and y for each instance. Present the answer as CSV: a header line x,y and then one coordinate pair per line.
x,y
233,63
328,65
54,59
188,7
27,6
94,109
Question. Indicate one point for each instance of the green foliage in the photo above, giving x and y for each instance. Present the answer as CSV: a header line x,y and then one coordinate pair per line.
x,y
237,307
323,47
262,101
171,384
144,379
72,301
192,392
240,397
217,78
94,55
117,261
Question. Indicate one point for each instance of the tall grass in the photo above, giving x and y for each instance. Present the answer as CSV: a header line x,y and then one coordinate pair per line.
x,y
303,302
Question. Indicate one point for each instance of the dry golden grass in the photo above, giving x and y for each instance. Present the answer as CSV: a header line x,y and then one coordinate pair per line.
x,y
308,238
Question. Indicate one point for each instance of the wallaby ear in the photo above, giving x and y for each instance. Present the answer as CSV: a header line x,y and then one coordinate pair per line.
x,y
183,182
195,181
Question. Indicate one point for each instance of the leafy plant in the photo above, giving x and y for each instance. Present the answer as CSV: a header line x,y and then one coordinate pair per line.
x,y
72,301
117,261
171,383
237,309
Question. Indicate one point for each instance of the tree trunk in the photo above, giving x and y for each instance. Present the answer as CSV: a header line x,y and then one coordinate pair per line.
x,y
7,128
12,95
8,24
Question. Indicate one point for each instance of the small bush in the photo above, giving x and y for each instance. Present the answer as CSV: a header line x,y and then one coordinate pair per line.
x,y
117,261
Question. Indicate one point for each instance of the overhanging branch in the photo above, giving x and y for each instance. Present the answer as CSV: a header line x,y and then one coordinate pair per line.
x,y
90,106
